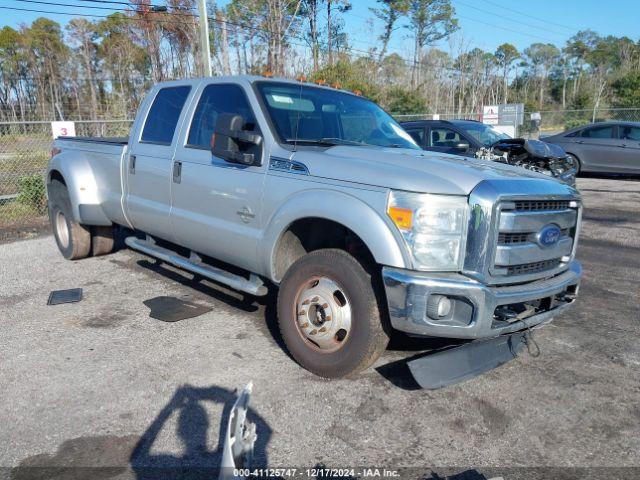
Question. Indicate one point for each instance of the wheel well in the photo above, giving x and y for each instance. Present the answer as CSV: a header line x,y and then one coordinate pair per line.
x,y
56,175
309,234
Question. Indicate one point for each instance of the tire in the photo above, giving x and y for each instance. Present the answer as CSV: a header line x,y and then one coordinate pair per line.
x,y
73,239
344,347
576,162
102,240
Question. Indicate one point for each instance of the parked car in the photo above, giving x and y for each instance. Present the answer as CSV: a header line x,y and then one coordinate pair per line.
x,y
605,147
458,137
253,182
469,138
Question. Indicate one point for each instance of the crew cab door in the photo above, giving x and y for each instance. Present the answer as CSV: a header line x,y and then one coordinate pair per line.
x,y
217,204
149,166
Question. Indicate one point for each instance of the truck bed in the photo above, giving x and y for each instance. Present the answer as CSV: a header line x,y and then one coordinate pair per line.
x,y
107,140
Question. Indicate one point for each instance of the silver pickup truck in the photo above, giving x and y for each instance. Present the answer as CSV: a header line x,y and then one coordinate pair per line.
x,y
256,182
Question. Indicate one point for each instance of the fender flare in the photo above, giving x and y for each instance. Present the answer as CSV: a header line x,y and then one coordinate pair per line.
x,y
82,187
376,232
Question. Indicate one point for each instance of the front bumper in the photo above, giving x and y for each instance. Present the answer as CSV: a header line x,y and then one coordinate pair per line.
x,y
407,293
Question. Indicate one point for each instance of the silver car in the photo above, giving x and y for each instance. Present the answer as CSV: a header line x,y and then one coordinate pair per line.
x,y
606,147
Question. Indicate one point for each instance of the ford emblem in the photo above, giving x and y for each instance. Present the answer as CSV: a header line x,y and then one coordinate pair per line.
x,y
549,235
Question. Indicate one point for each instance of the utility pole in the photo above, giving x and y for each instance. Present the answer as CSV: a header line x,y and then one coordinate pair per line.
x,y
204,38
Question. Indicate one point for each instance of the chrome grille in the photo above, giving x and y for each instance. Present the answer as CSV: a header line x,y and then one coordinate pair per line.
x,y
518,252
533,267
538,205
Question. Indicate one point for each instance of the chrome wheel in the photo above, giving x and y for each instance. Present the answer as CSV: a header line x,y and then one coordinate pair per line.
x,y
62,229
323,314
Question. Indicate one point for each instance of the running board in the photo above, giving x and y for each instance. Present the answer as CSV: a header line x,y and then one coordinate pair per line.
x,y
253,285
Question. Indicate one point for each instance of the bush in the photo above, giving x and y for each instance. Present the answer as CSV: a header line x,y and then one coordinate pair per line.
x,y
33,192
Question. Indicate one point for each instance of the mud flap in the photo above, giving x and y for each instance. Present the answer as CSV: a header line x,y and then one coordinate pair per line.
x,y
461,363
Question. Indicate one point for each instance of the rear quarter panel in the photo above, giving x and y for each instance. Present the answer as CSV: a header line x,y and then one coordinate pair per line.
x,y
92,173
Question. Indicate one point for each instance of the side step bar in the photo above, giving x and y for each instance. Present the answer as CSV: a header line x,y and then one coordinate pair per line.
x,y
253,285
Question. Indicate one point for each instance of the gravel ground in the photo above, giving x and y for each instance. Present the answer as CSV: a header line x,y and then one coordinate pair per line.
x,y
102,384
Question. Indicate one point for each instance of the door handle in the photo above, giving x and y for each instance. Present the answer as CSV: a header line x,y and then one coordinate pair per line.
x,y
177,172
132,164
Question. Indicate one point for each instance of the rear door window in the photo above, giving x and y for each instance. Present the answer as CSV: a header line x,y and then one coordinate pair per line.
x,y
217,99
162,119
598,132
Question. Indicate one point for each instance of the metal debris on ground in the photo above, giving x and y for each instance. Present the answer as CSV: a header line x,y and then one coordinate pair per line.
x,y
72,295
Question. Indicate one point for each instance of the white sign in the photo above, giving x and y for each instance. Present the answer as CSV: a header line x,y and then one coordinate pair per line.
x,y
63,129
490,114
435,116
536,116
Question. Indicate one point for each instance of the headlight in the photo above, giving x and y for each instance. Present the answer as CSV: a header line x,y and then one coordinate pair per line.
x,y
433,226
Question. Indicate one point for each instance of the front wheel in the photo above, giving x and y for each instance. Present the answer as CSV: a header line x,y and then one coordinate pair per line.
x,y
329,314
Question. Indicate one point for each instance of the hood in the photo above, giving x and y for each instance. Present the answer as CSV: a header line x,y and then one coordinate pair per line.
x,y
406,169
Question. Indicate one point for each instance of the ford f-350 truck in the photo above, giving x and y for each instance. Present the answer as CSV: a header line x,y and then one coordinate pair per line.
x,y
256,182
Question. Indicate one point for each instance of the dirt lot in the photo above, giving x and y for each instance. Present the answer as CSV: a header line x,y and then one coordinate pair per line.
x,y
99,384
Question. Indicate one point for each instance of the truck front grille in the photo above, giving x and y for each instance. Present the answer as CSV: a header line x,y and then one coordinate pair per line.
x,y
538,205
519,251
535,267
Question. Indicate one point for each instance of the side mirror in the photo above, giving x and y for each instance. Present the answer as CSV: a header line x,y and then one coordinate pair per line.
x,y
231,142
461,146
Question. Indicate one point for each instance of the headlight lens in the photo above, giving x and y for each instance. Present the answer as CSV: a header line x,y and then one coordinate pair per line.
x,y
433,226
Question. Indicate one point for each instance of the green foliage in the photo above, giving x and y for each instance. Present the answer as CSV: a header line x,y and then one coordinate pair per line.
x,y
33,192
626,90
404,101
349,76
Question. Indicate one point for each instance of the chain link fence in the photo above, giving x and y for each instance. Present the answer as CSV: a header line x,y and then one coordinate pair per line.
x,y
25,149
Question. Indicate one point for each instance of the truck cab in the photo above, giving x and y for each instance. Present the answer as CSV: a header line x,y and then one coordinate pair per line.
x,y
265,183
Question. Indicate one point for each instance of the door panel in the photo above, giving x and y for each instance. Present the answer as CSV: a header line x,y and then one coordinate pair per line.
x,y
629,156
149,167
596,148
216,206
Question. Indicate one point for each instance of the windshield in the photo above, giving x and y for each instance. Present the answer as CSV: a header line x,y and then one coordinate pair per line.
x,y
303,114
485,134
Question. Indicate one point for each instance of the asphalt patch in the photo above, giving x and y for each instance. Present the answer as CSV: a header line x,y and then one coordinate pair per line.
x,y
172,309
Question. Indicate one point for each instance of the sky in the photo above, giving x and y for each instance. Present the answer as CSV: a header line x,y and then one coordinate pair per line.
x,y
483,23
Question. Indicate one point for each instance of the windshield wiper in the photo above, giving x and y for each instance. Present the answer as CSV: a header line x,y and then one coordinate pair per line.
x,y
330,142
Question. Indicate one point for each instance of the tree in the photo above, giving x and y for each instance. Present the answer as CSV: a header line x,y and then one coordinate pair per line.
x,y
333,28
541,57
82,34
626,90
429,21
390,11
505,55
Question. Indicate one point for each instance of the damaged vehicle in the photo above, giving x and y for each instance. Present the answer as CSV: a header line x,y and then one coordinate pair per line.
x,y
261,184
469,138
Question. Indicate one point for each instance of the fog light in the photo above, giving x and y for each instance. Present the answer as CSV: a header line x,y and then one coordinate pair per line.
x,y
438,307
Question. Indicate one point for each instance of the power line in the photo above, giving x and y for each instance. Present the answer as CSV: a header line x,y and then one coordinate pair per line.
x,y
133,4
545,20
510,19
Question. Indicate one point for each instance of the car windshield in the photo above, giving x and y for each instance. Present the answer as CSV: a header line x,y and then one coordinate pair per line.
x,y
310,115
485,134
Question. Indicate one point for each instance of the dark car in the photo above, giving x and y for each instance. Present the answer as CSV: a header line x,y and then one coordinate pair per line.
x,y
459,137
605,147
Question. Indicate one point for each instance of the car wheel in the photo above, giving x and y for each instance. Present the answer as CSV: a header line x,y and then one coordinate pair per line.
x,y
329,314
102,240
576,162
73,239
